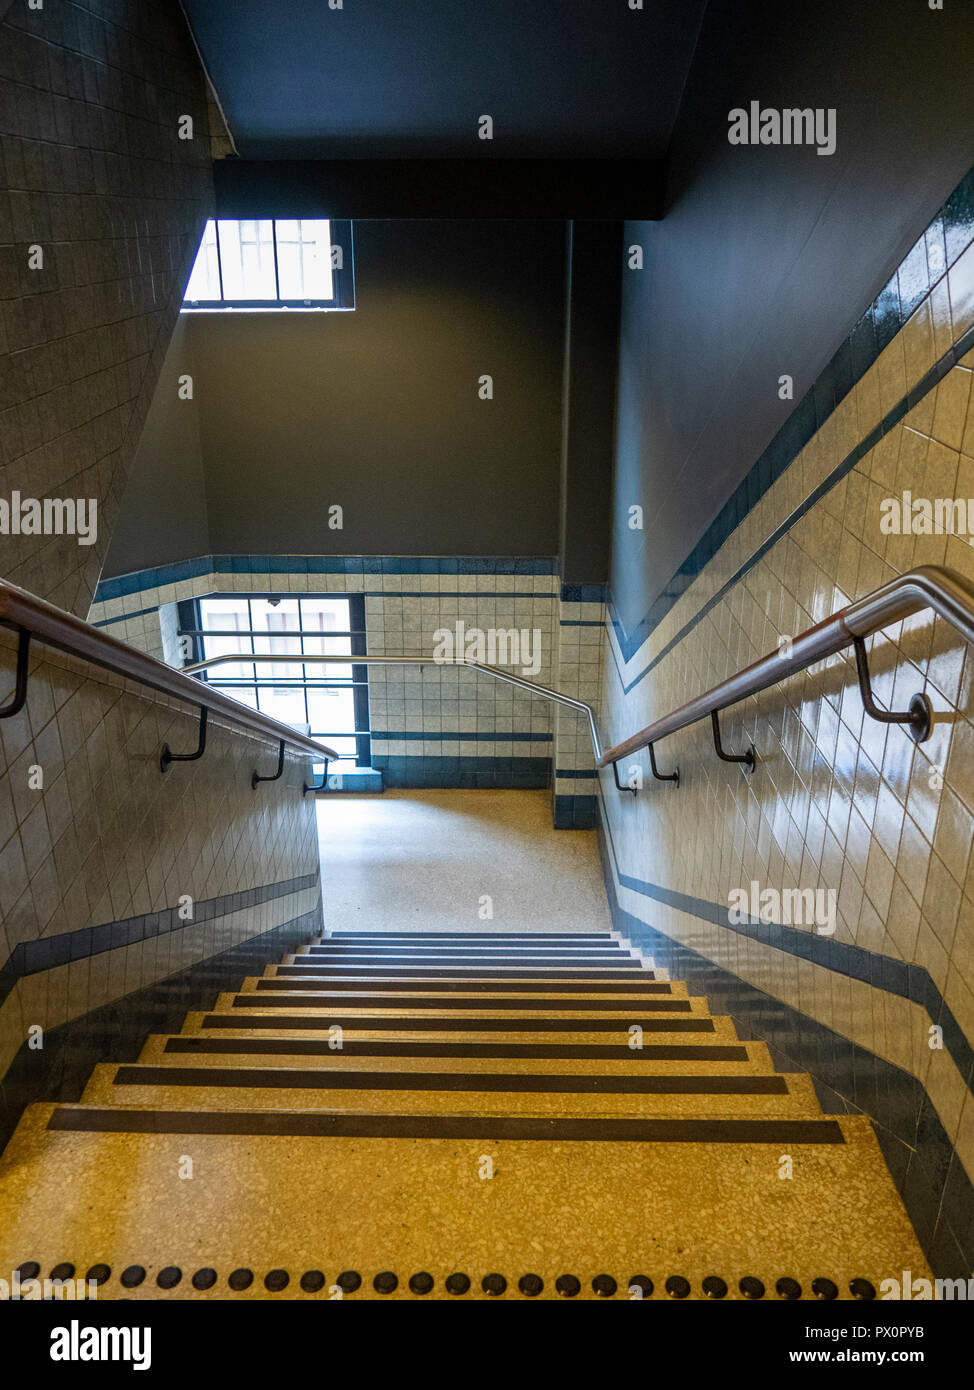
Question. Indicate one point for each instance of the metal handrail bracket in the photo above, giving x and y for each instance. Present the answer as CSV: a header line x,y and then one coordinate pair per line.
x,y
32,618
942,591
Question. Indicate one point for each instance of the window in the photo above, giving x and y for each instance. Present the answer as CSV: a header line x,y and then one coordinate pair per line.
x,y
328,701
259,263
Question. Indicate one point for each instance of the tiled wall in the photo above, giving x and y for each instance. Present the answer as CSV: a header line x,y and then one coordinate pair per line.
x,y
95,858
582,616
96,862
838,801
94,173
434,727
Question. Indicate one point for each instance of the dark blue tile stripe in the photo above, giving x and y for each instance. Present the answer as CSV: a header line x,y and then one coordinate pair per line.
x,y
574,812
463,772
908,981
951,231
881,972
124,617
389,735
583,593
936,374
125,584
458,593
930,1177
31,957
118,1031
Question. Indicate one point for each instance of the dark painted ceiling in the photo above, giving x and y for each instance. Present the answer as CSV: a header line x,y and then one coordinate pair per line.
x,y
399,78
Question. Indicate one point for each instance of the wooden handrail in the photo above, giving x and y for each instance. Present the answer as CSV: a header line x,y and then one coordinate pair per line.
x,y
35,619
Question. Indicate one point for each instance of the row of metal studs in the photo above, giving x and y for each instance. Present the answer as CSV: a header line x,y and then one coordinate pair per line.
x,y
313,1281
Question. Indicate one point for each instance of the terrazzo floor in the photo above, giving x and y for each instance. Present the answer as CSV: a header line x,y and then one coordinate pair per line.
x,y
424,860
482,1130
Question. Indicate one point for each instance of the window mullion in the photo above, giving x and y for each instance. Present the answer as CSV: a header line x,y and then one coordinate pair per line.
x,y
219,261
277,273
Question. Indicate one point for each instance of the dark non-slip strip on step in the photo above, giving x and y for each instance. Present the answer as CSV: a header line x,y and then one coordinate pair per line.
x,y
656,1004
382,1023
287,1078
532,938
560,1005
541,948
316,1124
339,959
403,988
507,948
319,1047
580,972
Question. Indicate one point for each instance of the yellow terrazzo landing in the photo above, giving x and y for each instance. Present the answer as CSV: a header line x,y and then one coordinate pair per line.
x,y
453,1133
410,1205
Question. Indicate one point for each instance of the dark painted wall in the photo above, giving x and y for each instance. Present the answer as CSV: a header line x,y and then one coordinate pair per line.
x,y
163,514
768,255
394,80
377,410
588,401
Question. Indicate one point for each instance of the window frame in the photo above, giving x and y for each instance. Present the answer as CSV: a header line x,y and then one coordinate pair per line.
x,y
343,279
189,615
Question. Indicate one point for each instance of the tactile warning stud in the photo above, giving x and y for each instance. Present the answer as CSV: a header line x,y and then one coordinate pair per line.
x,y
862,1288
568,1286
349,1280
824,1289
604,1285
421,1283
386,1282
98,1274
241,1279
204,1279
133,1276
457,1283
312,1281
493,1284
530,1285
788,1288
714,1287
169,1277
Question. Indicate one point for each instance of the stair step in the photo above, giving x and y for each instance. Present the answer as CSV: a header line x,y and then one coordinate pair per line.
x,y
618,1202
342,961
646,983
505,1004
631,970
315,993
467,948
497,1055
466,1026
531,938
417,1093
124,1119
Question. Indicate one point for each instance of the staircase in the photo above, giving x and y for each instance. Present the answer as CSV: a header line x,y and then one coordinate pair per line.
x,y
455,1115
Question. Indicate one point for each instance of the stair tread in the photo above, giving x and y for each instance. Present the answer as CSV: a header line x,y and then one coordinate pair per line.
x,y
303,1048
592,1206
668,1154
